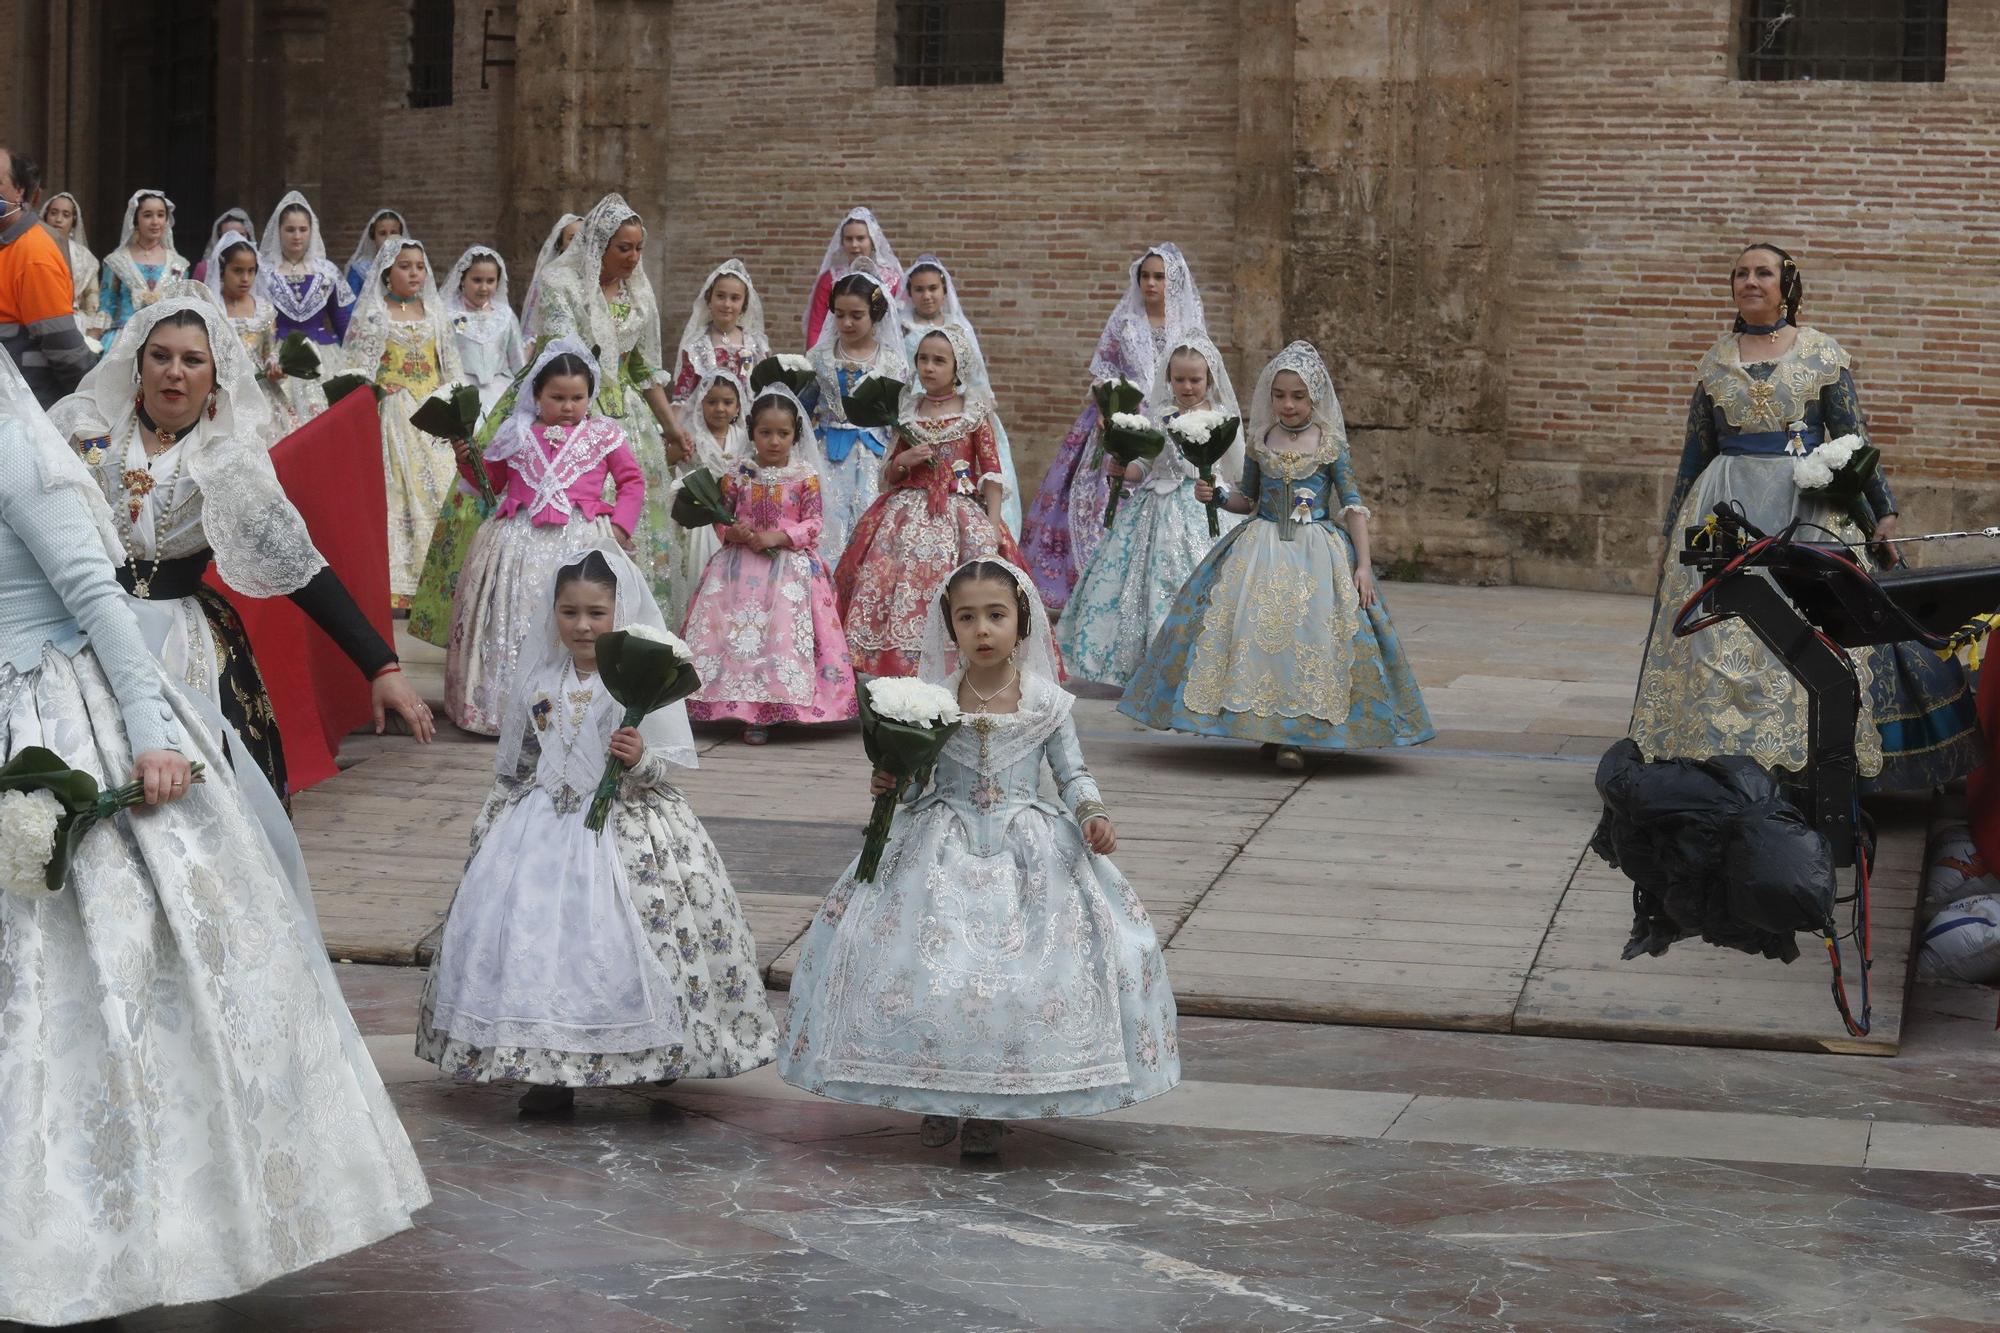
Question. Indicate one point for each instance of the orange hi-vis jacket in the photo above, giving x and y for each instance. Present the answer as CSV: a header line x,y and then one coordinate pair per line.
x,y
37,324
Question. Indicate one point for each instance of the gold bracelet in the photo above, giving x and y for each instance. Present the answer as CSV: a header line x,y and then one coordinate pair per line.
x,y
1088,810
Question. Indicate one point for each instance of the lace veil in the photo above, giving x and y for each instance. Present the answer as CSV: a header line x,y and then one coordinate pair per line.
x,y
719,455
972,381
1128,333
517,430
365,249
805,448
1221,397
261,545
131,222
889,356
953,312
368,331
542,652
694,334
1303,360
233,215
271,257
550,249
482,326
574,297
82,263
212,268
1045,704
884,258
56,464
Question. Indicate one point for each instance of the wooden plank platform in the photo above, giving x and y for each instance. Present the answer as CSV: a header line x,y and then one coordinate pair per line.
x,y
1444,887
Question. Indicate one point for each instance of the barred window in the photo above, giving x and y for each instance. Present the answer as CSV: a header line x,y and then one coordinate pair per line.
x,y
430,52
1883,41
939,43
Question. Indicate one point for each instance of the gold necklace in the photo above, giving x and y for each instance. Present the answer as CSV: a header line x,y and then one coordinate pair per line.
x,y
138,484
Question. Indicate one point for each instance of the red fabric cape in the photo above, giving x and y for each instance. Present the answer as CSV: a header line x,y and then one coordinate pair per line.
x,y
332,469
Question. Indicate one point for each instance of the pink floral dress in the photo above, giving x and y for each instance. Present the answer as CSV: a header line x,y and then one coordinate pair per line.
x,y
766,638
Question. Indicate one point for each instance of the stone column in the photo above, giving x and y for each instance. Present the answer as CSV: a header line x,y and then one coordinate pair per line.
x,y
546,171
1267,36
288,98
1402,231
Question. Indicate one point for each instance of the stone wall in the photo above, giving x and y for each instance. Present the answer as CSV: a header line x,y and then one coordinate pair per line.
x,y
1643,168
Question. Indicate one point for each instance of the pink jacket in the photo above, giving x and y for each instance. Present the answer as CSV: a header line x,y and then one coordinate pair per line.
x,y
569,477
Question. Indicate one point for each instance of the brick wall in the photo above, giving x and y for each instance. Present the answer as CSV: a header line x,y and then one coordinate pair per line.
x,y
440,166
1037,192
1643,167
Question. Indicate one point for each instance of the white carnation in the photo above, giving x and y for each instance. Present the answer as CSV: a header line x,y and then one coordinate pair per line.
x,y
913,702
1196,427
27,840
1837,453
675,643
441,394
1811,472
1130,421
793,361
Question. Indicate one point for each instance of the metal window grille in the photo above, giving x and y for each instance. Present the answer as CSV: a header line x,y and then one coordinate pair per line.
x,y
940,43
430,52
1882,41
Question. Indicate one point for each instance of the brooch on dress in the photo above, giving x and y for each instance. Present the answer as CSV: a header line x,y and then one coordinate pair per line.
x,y
539,711
94,450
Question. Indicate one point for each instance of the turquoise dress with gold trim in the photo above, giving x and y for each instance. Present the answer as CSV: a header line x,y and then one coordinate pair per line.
x,y
1720,691
1268,640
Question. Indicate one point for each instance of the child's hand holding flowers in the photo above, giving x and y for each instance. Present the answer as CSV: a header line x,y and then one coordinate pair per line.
x,y
628,747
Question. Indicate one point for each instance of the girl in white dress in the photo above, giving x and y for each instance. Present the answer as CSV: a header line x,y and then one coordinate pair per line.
x,y
489,337
641,969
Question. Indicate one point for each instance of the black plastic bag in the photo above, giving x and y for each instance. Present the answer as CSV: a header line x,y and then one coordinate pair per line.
x,y
1714,849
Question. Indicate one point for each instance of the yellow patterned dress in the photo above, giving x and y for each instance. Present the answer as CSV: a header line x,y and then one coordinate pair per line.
x,y
1719,691
418,469
1268,640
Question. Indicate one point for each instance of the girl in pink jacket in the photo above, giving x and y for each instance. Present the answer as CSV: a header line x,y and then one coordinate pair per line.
x,y
549,464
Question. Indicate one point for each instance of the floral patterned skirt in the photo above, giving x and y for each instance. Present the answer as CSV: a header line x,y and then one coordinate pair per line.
x,y
499,593
899,558
1017,986
188,1111
1052,551
688,917
1268,641
767,641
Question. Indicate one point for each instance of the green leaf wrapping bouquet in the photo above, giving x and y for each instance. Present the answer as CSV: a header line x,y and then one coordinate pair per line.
x,y
298,358
1128,437
1839,472
876,402
644,669
789,369
47,809
340,386
699,502
904,725
1203,438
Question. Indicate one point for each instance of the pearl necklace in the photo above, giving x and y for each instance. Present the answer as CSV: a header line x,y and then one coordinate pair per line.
x,y
139,484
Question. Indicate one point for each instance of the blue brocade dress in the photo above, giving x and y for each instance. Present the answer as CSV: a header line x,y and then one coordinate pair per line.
x,y
1268,640
1720,691
996,968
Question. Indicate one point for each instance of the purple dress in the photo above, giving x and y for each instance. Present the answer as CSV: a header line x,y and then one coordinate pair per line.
x,y
316,304
1066,522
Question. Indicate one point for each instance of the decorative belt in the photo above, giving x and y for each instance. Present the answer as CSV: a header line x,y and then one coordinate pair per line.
x,y
1765,443
163,580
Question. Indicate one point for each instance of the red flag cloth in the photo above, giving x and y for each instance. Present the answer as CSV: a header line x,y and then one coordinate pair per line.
x,y
331,467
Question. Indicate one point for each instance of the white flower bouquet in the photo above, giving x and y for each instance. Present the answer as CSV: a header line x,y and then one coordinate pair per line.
x,y
645,669
1128,437
46,810
1203,438
786,368
904,725
1839,471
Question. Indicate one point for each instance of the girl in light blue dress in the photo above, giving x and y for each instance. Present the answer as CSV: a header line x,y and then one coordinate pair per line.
x,y
144,264
1280,636
1161,532
999,967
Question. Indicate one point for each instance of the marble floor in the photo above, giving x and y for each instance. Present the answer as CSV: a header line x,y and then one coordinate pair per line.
x,y
1307,1177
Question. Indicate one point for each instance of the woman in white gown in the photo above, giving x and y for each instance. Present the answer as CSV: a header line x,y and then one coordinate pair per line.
x,y
186,1107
